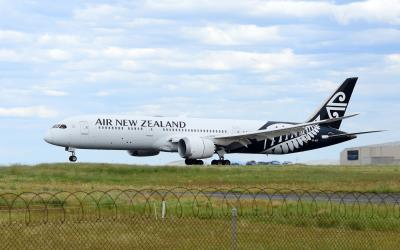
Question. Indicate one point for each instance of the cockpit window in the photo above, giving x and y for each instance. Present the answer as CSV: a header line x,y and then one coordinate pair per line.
x,y
61,126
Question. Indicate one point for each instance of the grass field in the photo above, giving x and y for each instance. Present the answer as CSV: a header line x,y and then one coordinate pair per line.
x,y
71,177
147,233
276,224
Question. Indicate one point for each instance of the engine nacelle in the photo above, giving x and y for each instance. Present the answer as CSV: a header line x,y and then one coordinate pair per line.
x,y
142,152
195,148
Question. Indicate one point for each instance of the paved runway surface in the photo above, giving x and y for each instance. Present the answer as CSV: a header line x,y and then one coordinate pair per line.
x,y
332,197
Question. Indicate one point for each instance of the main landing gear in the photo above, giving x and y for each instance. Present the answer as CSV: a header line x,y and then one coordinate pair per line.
x,y
72,158
221,160
193,162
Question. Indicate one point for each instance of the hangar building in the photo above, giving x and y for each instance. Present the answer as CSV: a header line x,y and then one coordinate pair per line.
x,y
386,153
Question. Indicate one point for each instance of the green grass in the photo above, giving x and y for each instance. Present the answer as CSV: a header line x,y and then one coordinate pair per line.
x,y
276,224
53,177
363,216
188,233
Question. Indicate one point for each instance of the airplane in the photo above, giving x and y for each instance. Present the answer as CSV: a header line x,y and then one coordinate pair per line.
x,y
196,139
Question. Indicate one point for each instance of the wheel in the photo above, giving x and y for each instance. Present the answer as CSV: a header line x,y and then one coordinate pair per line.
x,y
73,158
226,162
199,162
193,162
214,162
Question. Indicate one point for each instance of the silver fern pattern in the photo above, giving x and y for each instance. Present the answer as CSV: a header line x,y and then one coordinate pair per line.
x,y
293,142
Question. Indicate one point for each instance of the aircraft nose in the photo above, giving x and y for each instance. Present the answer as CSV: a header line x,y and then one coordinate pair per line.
x,y
48,137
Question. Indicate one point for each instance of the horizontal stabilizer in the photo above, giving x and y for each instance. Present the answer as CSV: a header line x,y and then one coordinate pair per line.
x,y
353,134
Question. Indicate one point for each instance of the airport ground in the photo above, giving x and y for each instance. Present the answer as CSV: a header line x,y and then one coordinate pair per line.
x,y
83,176
268,223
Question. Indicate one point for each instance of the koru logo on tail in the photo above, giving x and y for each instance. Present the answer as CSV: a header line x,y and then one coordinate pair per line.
x,y
334,106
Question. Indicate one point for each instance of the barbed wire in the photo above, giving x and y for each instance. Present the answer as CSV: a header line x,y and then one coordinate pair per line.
x,y
256,202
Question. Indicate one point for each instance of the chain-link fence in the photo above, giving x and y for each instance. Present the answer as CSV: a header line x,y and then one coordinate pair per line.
x,y
180,218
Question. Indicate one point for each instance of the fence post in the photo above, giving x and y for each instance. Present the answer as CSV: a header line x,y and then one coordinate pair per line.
x,y
234,228
163,210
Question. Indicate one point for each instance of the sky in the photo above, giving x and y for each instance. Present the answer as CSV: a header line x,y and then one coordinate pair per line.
x,y
261,60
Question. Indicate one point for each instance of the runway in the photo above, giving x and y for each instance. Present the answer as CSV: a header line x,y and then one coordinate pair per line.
x,y
348,198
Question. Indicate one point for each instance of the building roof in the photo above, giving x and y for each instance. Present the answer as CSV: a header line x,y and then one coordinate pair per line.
x,y
387,144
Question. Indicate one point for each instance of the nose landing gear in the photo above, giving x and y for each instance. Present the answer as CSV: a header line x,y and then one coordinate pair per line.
x,y
72,158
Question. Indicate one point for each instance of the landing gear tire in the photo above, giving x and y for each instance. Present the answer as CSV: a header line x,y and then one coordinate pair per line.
x,y
220,162
73,158
193,162
221,152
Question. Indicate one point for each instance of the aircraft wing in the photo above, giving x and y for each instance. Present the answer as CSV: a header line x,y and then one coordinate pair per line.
x,y
275,131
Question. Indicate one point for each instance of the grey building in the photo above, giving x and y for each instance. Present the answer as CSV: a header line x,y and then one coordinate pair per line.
x,y
386,153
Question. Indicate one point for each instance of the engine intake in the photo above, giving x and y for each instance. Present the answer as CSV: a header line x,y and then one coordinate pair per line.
x,y
195,148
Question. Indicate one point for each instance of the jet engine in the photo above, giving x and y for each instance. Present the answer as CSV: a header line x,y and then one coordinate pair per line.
x,y
195,148
143,152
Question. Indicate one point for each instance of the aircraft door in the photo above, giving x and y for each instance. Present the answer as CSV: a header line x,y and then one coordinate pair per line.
x,y
236,129
84,128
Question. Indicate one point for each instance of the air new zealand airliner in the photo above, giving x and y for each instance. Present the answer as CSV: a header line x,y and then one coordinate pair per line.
x,y
196,139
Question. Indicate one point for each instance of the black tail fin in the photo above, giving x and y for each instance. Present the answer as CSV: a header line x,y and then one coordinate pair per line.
x,y
336,104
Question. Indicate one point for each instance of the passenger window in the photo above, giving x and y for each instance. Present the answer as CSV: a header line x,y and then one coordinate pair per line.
x,y
63,126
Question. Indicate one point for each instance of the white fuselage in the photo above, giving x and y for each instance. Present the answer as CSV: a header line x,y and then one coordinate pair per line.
x,y
122,132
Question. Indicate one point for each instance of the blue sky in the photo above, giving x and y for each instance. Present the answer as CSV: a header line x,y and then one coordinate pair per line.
x,y
263,60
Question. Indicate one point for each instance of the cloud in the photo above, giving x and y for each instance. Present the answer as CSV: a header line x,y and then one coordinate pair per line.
x,y
34,55
13,36
199,83
58,54
9,55
34,111
393,58
138,22
55,93
233,34
387,11
375,36
127,53
103,93
393,62
58,39
241,60
99,12
125,61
